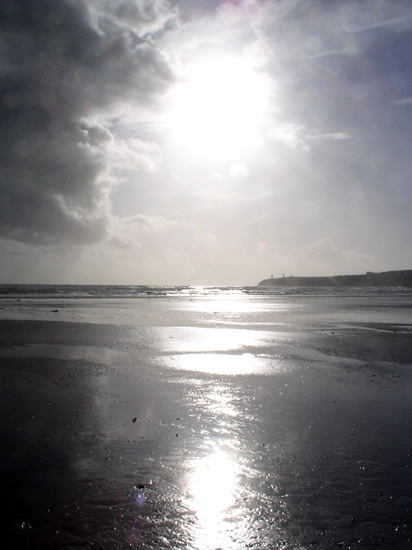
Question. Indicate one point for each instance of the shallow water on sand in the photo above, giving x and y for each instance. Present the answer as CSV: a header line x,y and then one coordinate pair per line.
x,y
204,437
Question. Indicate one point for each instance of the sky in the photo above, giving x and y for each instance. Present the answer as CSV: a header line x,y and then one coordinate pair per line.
x,y
204,142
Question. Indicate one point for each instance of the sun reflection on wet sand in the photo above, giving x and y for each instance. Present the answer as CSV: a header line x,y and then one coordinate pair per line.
x,y
215,474
213,494
222,351
224,364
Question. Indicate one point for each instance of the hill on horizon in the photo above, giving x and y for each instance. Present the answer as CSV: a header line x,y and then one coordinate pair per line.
x,y
400,278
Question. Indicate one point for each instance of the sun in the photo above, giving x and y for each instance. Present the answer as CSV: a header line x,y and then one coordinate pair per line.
x,y
217,108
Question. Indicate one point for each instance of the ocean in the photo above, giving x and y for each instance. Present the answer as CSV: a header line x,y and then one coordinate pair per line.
x,y
145,291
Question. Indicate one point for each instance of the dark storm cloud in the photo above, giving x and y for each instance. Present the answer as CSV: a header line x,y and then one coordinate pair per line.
x,y
64,64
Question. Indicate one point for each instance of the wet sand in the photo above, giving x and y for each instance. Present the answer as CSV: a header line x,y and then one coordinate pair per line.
x,y
203,424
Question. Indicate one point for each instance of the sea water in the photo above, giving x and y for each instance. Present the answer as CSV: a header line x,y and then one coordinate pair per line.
x,y
136,291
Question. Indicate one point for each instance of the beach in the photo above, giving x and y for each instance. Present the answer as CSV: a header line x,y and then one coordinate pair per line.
x,y
214,421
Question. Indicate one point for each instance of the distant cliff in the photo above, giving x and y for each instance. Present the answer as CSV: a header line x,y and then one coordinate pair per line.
x,y
369,279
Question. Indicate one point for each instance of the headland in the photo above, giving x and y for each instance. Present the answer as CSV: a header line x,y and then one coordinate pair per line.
x,y
401,278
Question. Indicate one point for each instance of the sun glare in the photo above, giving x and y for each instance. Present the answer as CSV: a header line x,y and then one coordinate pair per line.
x,y
213,490
218,107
